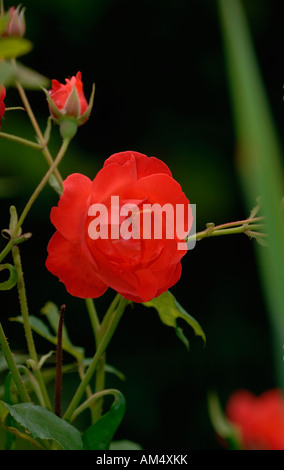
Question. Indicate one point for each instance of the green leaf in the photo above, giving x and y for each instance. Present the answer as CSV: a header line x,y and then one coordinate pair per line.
x,y
259,159
13,277
43,424
124,445
11,47
112,370
99,435
4,20
51,312
39,327
10,422
29,78
6,72
170,310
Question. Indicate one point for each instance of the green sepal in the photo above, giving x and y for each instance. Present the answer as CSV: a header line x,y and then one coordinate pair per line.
x,y
88,111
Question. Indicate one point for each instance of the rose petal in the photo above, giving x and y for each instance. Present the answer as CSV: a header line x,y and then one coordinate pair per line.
x,y
145,165
68,216
68,262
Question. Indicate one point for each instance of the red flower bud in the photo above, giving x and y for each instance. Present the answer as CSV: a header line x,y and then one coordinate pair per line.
x,y
2,105
67,101
16,22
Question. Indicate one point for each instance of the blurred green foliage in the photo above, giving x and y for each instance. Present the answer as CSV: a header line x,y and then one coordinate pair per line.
x,y
161,89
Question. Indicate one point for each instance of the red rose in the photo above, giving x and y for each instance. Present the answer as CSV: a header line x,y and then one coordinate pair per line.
x,y
139,268
2,105
260,420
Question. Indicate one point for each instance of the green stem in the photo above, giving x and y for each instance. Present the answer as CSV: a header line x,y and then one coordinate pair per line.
x,y
22,435
17,240
89,402
20,140
100,371
9,246
109,313
101,349
58,375
36,127
26,322
232,229
43,182
99,330
93,318
13,367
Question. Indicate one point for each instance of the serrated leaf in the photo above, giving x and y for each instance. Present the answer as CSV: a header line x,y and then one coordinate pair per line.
x,y
99,435
11,47
170,311
43,424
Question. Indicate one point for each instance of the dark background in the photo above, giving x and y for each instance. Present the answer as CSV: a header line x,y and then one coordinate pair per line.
x,y
161,89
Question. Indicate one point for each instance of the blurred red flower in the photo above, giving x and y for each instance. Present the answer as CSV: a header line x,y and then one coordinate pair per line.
x,y
260,420
139,269
2,105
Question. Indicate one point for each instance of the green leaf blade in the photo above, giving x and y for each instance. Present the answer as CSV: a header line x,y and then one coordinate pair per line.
x,y
259,159
99,435
11,47
43,424
170,310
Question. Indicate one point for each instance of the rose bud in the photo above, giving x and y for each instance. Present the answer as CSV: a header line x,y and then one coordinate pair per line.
x,y
67,103
16,26
2,105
